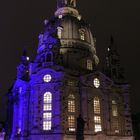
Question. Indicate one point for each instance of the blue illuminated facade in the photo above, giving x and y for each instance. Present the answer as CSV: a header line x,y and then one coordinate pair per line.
x,y
61,94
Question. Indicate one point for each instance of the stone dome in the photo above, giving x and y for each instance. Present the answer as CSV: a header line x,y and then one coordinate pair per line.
x,y
76,40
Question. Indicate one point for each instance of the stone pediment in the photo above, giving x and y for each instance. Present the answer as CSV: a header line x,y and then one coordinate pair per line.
x,y
38,77
105,82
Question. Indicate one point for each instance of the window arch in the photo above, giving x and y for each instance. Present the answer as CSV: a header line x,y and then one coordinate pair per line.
x,y
97,115
59,32
71,112
47,111
82,33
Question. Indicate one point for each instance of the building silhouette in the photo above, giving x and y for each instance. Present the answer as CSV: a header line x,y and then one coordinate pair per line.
x,y
62,94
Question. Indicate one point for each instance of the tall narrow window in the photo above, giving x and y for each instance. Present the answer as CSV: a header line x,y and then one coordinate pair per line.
x,y
71,112
47,111
97,115
82,34
114,108
89,65
71,103
71,122
59,32
115,121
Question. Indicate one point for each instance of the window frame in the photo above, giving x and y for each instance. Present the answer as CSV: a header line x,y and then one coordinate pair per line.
x,y
47,111
97,114
71,113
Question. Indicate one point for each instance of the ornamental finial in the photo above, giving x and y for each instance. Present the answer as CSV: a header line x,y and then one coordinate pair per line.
x,y
66,3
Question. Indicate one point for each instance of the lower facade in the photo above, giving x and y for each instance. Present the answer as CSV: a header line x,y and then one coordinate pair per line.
x,y
72,137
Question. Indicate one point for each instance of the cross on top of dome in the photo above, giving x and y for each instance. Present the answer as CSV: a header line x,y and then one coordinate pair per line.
x,y
66,3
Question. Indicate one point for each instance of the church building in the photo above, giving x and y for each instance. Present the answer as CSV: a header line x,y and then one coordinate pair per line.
x,y
61,94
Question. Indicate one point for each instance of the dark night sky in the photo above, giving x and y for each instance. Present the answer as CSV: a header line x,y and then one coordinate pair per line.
x,y
21,21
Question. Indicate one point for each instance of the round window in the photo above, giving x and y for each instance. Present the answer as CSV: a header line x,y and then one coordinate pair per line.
x,y
47,78
96,82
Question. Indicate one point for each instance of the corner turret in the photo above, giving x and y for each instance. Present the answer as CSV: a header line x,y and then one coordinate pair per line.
x,y
22,68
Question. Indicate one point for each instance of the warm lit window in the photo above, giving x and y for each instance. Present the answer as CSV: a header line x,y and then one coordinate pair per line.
x,y
82,34
96,82
89,65
98,127
96,105
47,114
59,32
71,103
71,122
97,119
71,112
97,115
114,108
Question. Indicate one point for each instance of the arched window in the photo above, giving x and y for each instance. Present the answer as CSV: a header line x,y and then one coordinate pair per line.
x,y
89,65
47,111
71,112
97,115
82,34
59,32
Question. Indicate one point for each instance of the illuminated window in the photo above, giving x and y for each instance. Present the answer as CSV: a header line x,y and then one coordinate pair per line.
x,y
47,107
71,112
97,119
89,65
82,34
96,82
96,105
71,103
71,122
114,108
47,78
59,32
47,121
98,127
47,114
97,115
